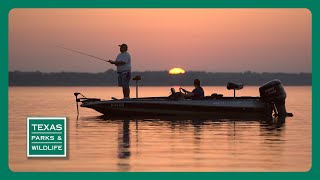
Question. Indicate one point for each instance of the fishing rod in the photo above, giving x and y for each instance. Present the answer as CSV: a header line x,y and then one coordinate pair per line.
x,y
83,53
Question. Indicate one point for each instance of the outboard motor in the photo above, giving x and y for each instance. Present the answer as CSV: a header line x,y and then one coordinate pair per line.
x,y
273,92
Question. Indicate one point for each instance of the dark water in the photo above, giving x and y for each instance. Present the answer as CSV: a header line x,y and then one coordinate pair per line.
x,y
142,144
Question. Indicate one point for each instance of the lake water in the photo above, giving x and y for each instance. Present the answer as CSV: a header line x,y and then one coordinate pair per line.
x,y
97,144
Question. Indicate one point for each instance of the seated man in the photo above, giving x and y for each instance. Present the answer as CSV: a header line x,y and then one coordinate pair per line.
x,y
196,94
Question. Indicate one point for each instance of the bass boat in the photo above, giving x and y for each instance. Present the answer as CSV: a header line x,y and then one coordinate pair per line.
x,y
271,102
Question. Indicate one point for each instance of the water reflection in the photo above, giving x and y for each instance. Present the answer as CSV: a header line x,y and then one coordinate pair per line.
x,y
194,138
124,152
197,132
273,130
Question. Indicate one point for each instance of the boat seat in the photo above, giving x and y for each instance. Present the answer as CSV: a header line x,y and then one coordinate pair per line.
x,y
234,86
137,78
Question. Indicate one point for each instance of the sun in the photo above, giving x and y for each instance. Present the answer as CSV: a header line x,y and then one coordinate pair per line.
x,y
176,71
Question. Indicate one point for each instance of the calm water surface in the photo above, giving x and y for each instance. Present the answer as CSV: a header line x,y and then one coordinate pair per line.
x,y
97,144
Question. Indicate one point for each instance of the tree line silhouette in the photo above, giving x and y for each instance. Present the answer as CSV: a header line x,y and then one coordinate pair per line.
x,y
154,78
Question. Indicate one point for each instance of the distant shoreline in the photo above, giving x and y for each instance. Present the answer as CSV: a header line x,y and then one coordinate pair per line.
x,y
155,78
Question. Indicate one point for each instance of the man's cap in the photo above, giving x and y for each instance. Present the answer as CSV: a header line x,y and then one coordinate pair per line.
x,y
124,45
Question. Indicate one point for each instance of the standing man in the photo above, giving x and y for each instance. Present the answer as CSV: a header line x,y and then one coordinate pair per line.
x,y
123,63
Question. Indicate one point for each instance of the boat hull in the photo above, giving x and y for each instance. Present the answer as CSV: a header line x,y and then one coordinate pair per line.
x,y
227,107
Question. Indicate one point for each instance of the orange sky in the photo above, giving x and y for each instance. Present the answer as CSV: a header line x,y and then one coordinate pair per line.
x,y
217,40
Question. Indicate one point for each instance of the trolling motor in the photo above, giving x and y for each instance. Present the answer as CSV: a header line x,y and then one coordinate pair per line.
x,y
78,100
273,93
83,99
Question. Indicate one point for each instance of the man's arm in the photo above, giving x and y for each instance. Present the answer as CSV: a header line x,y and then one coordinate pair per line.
x,y
117,63
187,93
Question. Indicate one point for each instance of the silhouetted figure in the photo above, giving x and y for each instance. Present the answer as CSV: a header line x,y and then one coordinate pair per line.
x,y
123,63
197,93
